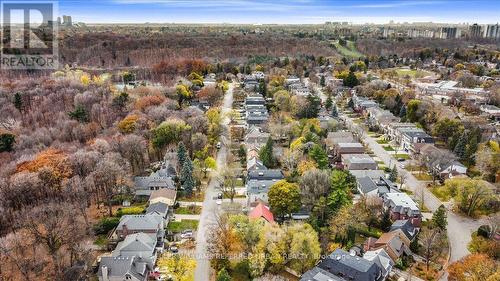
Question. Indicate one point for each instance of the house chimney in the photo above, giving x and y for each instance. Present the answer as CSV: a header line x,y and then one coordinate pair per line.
x,y
104,270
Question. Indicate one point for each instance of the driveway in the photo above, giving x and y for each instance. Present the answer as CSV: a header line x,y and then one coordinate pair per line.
x,y
459,228
210,208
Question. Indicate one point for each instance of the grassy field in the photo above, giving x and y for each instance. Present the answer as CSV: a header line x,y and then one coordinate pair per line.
x,y
178,226
404,156
388,148
190,210
412,73
382,141
349,50
423,176
441,192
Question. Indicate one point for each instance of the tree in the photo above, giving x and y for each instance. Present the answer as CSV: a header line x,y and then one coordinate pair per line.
x,y
167,133
446,128
304,248
322,81
488,159
223,275
209,163
222,240
182,92
343,222
7,141
181,154
460,147
430,240
351,80
180,267
411,110
439,218
474,267
266,154
319,155
335,114
402,113
284,198
18,101
128,124
342,183
314,184
393,176
79,114
262,88
228,182
473,195
329,102
385,222
269,252
187,176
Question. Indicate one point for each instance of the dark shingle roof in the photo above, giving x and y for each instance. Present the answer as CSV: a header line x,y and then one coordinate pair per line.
x,y
158,208
318,274
341,263
271,174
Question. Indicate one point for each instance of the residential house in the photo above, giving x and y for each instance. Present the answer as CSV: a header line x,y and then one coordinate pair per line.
x,y
358,162
161,179
411,136
406,227
402,207
258,184
140,245
372,174
123,268
492,111
391,130
255,99
255,136
319,274
270,174
382,259
375,187
292,80
164,195
158,208
351,267
342,148
395,243
338,137
440,162
255,164
149,224
361,104
380,118
261,211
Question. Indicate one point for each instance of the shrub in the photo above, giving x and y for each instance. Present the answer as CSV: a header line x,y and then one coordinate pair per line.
x,y
105,225
484,231
130,211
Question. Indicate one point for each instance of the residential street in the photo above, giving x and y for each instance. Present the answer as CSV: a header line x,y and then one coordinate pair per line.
x,y
210,208
459,228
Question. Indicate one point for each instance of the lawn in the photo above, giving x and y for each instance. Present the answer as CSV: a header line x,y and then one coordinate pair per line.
x,y
412,73
423,176
189,210
441,192
349,50
178,226
401,155
382,141
388,148
196,197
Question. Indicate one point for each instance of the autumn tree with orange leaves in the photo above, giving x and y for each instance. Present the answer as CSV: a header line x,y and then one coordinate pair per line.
x,y
474,267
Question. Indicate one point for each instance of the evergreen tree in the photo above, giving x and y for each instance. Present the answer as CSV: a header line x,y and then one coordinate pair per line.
x,y
79,114
262,87
187,176
335,114
402,112
351,80
350,103
385,223
439,218
266,154
18,101
461,146
329,102
181,154
223,275
322,81
7,141
471,148
414,246
393,176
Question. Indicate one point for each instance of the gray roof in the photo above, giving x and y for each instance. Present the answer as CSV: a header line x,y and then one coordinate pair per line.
x,y
374,174
141,222
259,186
120,266
271,174
358,158
318,274
350,267
407,227
158,208
366,185
134,243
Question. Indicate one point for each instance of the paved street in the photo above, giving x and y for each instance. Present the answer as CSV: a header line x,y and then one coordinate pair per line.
x,y
210,208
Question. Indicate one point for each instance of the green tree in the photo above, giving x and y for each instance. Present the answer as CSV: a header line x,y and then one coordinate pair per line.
x,y
411,110
18,101
439,218
79,114
446,128
461,146
7,142
284,198
342,184
318,154
304,248
181,154
329,102
266,154
335,113
223,275
262,88
402,113
322,81
182,92
168,132
187,176
385,222
121,100
393,176
351,80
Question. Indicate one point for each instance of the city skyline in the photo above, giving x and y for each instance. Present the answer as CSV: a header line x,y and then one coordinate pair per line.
x,y
280,12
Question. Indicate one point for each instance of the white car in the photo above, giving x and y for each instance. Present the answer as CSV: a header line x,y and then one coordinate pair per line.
x,y
218,202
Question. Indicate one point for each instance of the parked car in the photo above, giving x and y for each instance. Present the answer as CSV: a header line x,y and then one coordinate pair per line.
x,y
219,196
401,159
173,249
218,202
218,145
187,234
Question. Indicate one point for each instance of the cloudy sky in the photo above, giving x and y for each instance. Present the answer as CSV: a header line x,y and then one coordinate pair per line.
x,y
275,11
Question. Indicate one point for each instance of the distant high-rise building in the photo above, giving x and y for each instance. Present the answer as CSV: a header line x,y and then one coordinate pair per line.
x,y
492,31
59,20
475,31
67,20
449,33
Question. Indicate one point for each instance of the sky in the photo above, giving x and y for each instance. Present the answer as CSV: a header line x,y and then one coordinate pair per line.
x,y
280,12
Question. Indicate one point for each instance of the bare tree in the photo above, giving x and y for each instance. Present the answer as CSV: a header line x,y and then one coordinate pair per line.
x,y
228,181
430,240
314,184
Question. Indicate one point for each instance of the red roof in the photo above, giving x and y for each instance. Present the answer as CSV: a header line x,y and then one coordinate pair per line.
x,y
261,211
